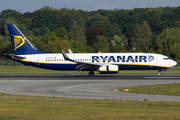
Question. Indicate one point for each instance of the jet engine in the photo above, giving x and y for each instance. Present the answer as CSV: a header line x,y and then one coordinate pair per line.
x,y
108,69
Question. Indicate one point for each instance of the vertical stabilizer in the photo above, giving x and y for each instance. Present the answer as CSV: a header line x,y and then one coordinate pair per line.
x,y
20,43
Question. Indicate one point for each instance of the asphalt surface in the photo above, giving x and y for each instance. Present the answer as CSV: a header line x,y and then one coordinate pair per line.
x,y
82,86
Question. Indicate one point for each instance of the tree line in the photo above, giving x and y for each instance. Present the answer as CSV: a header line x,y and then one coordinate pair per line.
x,y
153,30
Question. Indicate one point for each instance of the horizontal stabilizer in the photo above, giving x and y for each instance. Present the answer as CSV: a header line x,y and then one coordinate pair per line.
x,y
14,56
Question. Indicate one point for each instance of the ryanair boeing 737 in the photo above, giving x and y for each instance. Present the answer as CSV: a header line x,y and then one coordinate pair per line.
x,y
105,63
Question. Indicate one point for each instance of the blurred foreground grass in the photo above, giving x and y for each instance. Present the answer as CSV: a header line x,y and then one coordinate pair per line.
x,y
46,108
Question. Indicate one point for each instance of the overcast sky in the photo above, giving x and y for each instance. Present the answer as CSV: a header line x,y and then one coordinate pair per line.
x,y
89,5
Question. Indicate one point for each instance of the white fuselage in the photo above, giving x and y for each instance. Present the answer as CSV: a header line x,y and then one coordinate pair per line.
x,y
125,61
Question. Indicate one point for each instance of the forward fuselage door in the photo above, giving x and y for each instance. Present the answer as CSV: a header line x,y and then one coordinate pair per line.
x,y
156,60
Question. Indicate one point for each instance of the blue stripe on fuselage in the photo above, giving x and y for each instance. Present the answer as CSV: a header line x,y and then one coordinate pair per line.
x,y
61,66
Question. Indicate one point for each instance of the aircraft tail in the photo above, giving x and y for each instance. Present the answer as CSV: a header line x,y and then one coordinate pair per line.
x,y
20,43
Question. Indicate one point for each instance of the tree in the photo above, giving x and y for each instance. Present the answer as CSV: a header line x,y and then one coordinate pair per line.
x,y
61,32
168,14
80,23
117,49
152,23
5,22
17,16
76,34
49,37
43,31
119,17
141,37
159,51
165,24
101,44
177,12
103,24
91,35
166,52
48,46
91,22
169,40
116,30
77,46
22,28
175,50
66,21
60,44
37,43
89,49
1,41
8,47
46,17
117,39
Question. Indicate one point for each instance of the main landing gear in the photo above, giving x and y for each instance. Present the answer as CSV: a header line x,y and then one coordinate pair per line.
x,y
159,74
91,74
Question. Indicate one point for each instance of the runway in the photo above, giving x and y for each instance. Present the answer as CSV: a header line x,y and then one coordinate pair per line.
x,y
82,86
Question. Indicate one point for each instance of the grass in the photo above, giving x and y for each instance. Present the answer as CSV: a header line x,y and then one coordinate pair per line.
x,y
30,70
45,108
14,107
34,70
167,89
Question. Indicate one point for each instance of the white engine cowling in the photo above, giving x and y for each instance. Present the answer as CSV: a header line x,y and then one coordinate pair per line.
x,y
108,69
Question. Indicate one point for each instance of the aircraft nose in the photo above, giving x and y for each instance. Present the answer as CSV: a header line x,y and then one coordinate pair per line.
x,y
173,63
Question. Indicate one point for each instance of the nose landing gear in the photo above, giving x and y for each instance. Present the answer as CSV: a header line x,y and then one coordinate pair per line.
x,y
161,71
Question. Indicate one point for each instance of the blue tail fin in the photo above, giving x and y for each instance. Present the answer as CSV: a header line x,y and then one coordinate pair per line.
x,y
64,55
20,43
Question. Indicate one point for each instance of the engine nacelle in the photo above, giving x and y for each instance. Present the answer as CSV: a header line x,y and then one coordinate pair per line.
x,y
109,69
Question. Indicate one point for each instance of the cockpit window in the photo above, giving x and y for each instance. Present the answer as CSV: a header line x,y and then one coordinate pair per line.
x,y
166,58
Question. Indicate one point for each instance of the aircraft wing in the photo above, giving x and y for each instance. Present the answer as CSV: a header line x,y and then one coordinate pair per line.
x,y
80,64
14,56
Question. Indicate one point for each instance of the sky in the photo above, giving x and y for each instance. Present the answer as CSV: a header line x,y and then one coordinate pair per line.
x,y
89,5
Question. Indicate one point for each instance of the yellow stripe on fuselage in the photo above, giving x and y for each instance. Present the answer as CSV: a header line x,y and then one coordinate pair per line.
x,y
55,62
44,62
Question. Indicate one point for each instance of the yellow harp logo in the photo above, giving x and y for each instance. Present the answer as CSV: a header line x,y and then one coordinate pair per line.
x,y
18,42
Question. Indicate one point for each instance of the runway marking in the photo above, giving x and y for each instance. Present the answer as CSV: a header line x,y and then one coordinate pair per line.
x,y
57,87
162,77
24,91
8,91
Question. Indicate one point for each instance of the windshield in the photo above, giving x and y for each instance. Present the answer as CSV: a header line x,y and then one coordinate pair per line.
x,y
166,58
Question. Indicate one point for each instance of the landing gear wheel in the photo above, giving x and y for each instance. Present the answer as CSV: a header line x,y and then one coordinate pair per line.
x,y
91,74
159,74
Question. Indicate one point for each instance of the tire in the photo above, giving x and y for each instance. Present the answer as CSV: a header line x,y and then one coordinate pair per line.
x,y
91,74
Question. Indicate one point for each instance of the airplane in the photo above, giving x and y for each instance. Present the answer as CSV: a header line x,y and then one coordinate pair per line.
x,y
105,63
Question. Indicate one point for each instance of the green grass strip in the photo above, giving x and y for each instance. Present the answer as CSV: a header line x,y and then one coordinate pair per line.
x,y
167,89
46,108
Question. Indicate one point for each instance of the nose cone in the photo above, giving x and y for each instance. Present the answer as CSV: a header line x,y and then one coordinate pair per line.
x,y
173,63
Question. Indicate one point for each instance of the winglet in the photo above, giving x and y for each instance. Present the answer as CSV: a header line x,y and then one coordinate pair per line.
x,y
64,55
70,52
